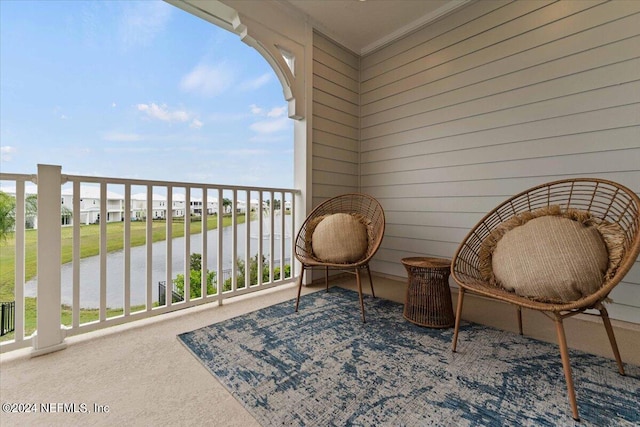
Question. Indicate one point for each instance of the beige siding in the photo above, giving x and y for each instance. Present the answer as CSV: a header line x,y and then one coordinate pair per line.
x,y
489,101
336,121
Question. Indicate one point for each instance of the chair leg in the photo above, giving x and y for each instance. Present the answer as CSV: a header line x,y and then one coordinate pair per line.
x,y
373,294
299,287
326,277
612,339
566,365
520,319
458,316
359,282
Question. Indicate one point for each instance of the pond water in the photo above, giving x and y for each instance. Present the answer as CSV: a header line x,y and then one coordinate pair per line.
x,y
90,266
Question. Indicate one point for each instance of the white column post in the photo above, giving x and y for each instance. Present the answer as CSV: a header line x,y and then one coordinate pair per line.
x,y
49,336
303,151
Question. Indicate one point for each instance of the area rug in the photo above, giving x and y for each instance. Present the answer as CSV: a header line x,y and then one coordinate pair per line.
x,y
323,367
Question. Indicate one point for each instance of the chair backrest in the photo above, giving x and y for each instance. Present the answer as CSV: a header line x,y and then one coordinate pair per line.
x,y
605,200
357,203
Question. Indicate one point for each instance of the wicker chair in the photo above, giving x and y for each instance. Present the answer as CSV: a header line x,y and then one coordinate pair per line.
x,y
360,204
604,200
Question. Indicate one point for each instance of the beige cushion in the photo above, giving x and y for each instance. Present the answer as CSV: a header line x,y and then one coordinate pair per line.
x,y
551,258
339,238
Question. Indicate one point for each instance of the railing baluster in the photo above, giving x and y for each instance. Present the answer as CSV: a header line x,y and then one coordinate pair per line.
x,y
247,240
294,219
260,236
103,251
127,249
234,240
272,245
187,244
75,321
169,246
205,234
282,236
149,244
219,274
19,312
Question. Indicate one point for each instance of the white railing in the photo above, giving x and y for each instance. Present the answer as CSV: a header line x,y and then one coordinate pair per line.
x,y
19,181
266,235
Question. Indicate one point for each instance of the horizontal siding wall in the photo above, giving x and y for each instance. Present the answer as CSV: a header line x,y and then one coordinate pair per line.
x,y
489,101
336,122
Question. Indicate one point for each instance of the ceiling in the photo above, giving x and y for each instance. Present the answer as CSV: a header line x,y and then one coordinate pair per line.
x,y
363,26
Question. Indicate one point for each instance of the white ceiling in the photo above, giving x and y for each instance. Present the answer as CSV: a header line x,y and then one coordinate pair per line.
x,y
363,26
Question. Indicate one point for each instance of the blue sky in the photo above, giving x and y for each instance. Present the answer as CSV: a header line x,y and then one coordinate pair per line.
x,y
137,89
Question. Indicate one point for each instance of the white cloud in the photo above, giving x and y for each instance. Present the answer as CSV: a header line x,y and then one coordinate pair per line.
x,y
141,22
196,124
113,105
270,126
277,112
6,153
273,113
276,121
256,83
163,113
255,109
208,80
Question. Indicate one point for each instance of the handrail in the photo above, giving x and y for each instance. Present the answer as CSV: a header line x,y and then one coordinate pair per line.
x,y
94,179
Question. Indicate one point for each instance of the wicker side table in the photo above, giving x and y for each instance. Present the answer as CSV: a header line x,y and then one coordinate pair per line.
x,y
428,299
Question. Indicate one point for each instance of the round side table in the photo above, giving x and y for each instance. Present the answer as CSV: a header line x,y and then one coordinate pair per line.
x,y
428,299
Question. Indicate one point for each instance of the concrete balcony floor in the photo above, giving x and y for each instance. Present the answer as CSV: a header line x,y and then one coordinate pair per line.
x,y
146,377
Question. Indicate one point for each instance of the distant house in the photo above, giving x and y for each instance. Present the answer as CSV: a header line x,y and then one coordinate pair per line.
x,y
139,206
90,205
241,206
178,208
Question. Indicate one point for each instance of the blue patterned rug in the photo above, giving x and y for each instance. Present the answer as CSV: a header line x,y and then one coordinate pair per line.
x,y
323,367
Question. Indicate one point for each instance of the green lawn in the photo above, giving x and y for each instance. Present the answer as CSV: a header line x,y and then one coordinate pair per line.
x,y
92,314
89,246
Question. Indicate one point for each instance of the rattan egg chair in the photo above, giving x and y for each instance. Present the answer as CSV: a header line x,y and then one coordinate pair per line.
x,y
368,212
605,202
